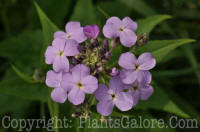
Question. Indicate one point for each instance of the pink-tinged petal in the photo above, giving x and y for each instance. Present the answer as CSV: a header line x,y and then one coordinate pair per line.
x,y
76,96
127,37
116,85
60,64
71,26
146,61
124,101
102,92
146,92
59,34
110,31
71,48
148,77
67,81
114,20
59,44
91,31
105,107
78,35
90,84
59,95
53,79
128,76
129,23
50,54
80,71
127,60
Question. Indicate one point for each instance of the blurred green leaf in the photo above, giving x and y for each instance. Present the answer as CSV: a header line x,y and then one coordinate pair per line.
x,y
147,25
139,6
160,48
84,12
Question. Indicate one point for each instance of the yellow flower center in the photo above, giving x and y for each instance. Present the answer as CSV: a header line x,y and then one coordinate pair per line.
x,y
137,67
79,85
69,36
121,29
60,53
135,88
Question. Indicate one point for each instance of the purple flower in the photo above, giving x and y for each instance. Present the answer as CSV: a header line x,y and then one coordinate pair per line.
x,y
140,90
124,29
55,80
136,69
91,31
113,96
58,52
73,31
114,72
80,81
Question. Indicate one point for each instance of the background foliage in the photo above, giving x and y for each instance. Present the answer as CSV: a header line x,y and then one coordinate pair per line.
x,y
27,27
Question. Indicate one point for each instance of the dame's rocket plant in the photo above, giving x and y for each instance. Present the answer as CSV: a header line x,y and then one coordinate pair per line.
x,y
79,59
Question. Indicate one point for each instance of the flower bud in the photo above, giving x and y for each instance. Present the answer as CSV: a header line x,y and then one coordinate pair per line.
x,y
114,72
91,31
142,39
105,44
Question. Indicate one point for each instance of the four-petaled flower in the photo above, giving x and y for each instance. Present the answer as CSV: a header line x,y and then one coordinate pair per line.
x,y
124,29
58,52
136,69
80,82
73,31
113,96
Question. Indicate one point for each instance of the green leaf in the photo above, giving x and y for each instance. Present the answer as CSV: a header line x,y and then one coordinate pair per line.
x,y
160,48
161,101
84,12
13,85
148,24
48,29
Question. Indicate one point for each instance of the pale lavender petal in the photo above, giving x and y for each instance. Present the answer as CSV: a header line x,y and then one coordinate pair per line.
x,y
114,20
61,63
115,84
59,44
128,38
59,95
50,54
129,23
71,26
102,92
124,101
144,76
67,81
59,34
136,96
127,60
148,77
53,79
71,48
128,76
146,61
146,92
90,84
105,107
80,71
110,31
78,35
76,96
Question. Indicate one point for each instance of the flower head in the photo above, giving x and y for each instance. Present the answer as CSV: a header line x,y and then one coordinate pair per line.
x,y
113,96
55,80
73,31
91,31
80,82
58,52
136,69
124,29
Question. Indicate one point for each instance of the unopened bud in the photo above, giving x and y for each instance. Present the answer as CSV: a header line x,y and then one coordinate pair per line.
x,y
114,72
142,39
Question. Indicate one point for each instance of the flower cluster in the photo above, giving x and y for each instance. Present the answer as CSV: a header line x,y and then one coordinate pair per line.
x,y
79,59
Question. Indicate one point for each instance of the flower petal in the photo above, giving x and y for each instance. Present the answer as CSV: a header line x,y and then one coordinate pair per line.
x,y
78,35
144,77
59,44
67,81
50,54
90,84
136,96
61,63
105,107
116,85
53,79
76,96
71,48
110,31
114,20
80,71
102,92
59,34
146,92
128,76
124,101
129,23
127,37
59,95
127,60
71,26
146,61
